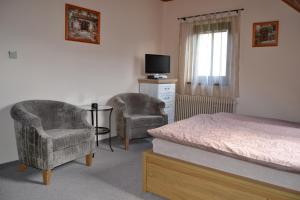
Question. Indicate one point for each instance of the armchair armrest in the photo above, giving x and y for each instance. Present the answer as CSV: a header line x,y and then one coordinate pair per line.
x,y
80,116
118,104
157,105
20,114
27,119
119,114
30,135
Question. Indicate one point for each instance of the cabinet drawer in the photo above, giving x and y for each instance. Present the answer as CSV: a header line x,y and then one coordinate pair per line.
x,y
146,89
170,120
170,105
164,88
170,113
167,97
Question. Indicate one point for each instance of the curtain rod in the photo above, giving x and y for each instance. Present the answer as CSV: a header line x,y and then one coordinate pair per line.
x,y
236,10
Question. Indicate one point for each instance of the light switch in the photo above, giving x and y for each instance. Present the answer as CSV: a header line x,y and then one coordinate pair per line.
x,y
12,54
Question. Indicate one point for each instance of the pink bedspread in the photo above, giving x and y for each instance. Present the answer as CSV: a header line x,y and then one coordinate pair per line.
x,y
268,142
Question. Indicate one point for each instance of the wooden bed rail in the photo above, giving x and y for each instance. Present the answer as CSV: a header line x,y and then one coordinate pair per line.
x,y
178,180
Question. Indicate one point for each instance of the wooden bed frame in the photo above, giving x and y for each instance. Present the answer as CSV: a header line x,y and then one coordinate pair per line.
x,y
176,179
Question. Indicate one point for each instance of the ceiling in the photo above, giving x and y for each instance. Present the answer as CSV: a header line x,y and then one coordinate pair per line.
x,y
293,3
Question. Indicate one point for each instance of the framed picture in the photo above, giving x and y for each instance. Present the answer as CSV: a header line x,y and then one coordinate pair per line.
x,y
82,25
265,34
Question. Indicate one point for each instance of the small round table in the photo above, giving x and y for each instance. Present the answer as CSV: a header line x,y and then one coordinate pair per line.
x,y
100,130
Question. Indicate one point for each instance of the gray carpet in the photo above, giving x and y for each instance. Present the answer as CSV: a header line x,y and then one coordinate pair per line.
x,y
113,176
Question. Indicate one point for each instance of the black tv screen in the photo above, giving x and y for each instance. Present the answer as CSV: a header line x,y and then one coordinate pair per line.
x,y
157,64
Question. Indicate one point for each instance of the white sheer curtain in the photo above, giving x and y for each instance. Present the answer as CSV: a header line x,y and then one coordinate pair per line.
x,y
209,55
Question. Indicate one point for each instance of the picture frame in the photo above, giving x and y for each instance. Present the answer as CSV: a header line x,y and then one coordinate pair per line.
x,y
82,24
265,34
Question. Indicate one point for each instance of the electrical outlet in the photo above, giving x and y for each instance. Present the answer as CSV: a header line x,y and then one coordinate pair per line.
x,y
12,54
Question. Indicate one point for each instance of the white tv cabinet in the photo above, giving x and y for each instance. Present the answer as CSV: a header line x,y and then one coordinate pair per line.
x,y
163,89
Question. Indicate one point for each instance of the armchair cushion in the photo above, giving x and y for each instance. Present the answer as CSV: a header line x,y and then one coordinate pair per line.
x,y
65,138
138,121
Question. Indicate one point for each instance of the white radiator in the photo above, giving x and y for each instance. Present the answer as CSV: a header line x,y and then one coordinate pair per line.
x,y
189,105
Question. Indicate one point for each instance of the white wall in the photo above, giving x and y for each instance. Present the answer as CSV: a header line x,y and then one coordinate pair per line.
x,y
48,67
269,76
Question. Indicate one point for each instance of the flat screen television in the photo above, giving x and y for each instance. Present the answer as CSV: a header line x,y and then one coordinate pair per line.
x,y
157,64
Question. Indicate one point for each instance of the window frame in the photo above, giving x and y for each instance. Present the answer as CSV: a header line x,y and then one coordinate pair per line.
x,y
211,28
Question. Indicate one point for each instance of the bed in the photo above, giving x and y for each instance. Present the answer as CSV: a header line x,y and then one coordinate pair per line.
x,y
219,168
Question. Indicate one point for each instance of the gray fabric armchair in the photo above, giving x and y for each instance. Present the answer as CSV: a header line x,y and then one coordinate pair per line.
x,y
135,113
51,133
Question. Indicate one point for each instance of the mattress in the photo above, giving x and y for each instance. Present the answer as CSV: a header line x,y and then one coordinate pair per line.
x,y
224,163
269,142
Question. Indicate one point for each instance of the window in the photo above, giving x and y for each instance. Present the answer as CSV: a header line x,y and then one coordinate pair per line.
x,y
211,58
209,55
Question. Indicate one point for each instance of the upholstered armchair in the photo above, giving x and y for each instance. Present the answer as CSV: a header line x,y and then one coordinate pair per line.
x,y
51,133
136,113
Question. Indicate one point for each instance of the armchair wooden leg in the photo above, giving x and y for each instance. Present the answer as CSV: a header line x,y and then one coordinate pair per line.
x,y
22,167
47,176
89,159
126,143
